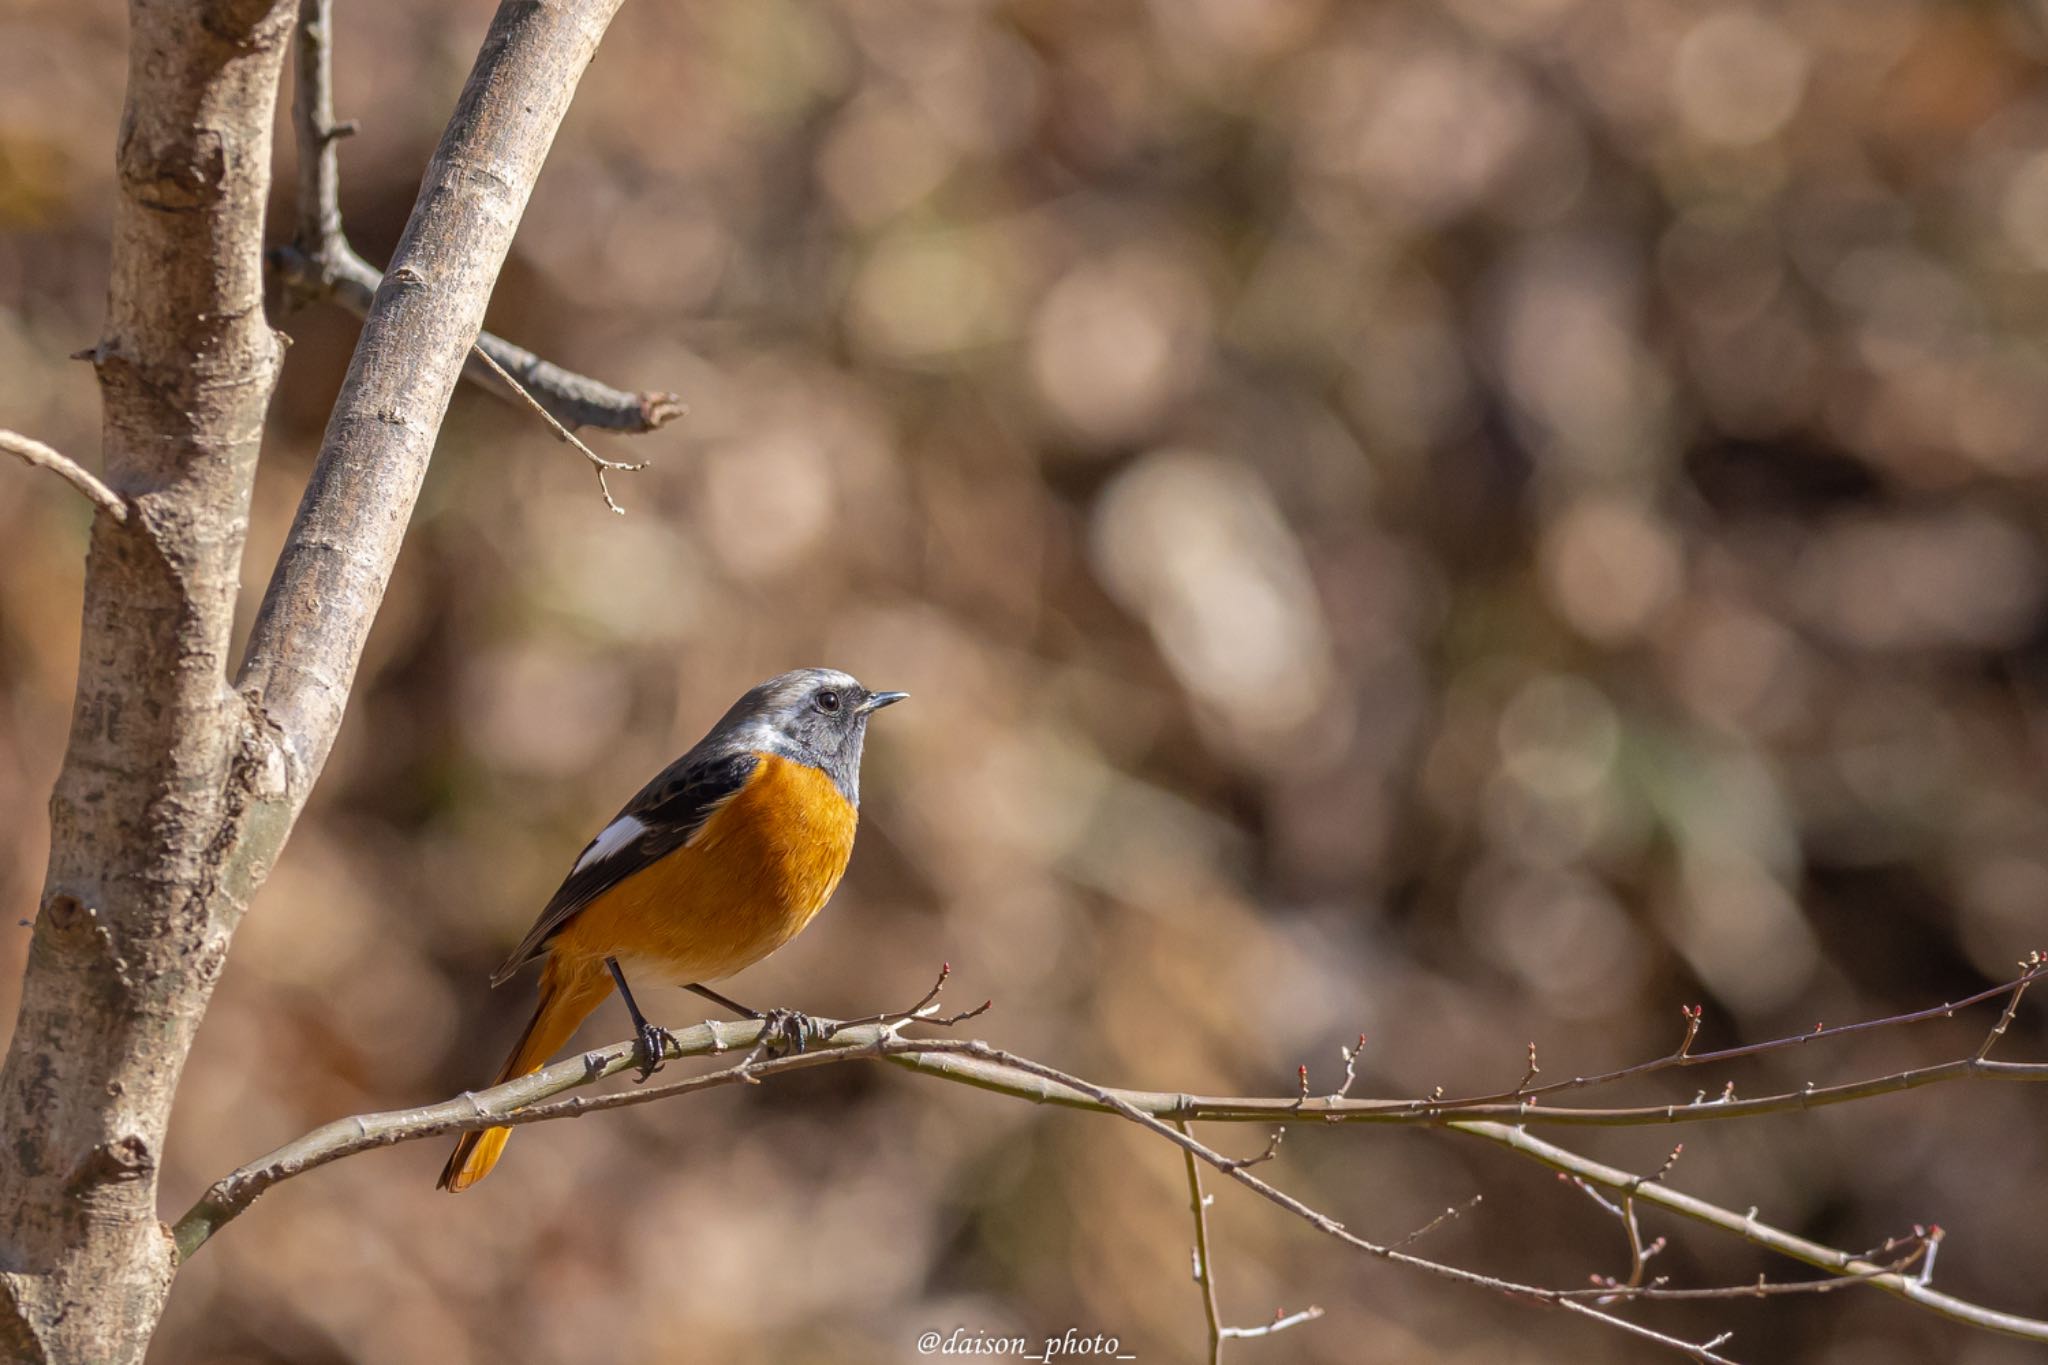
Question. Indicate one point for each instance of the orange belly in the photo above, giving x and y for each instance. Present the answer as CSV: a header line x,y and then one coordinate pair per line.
x,y
746,884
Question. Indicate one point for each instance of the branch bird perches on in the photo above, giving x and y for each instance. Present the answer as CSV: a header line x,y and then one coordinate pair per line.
x,y
544,1096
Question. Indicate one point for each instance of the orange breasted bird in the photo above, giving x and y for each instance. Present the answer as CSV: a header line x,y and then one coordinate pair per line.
x,y
721,859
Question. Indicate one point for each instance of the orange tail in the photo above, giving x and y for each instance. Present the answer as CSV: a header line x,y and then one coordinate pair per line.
x,y
569,991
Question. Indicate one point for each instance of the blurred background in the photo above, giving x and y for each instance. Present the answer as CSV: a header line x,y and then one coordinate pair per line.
x,y
1471,522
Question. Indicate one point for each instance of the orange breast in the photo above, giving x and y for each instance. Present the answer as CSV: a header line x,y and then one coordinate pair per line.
x,y
749,881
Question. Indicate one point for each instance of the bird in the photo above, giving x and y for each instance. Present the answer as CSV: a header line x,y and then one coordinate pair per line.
x,y
723,857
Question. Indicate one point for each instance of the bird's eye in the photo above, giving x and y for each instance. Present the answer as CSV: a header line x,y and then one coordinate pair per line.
x,y
828,700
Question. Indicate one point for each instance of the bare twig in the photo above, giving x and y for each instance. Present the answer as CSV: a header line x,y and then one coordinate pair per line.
x,y
1659,1290
1529,1076
944,1058
67,469
925,1011
1239,1163
1451,1214
1204,1264
514,1102
318,232
1280,1323
1639,1252
597,461
575,400
1750,1228
1350,1056
1683,1056
2032,965
1933,1238
1444,1113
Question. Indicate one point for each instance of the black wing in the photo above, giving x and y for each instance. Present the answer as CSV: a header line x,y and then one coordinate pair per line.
x,y
666,813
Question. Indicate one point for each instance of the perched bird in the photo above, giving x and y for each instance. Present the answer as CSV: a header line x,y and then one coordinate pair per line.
x,y
723,858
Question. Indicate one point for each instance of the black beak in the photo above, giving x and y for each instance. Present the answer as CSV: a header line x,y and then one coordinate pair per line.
x,y
877,700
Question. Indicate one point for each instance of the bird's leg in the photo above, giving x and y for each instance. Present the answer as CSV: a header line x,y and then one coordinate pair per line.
x,y
781,1030
698,988
652,1037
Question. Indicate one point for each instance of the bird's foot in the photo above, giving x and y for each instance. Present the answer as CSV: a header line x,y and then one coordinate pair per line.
x,y
786,1031
654,1040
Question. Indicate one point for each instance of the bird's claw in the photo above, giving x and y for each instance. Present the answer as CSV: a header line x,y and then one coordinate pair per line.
x,y
654,1040
786,1031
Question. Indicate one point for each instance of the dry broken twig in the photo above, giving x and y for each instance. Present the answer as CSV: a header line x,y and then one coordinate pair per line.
x,y
67,469
597,461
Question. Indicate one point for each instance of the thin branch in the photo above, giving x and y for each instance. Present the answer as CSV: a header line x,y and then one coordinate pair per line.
x,y
2033,963
1522,1106
925,1011
575,400
1660,1291
1926,1275
1451,1214
67,469
318,232
1640,1253
319,264
1205,1272
942,1058
515,1102
597,461
1272,1149
1350,1056
1204,1264
1529,1076
1750,1228
1280,1323
2035,966
1444,1113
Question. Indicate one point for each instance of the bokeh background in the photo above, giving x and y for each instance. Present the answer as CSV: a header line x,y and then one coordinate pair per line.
x,y
1473,522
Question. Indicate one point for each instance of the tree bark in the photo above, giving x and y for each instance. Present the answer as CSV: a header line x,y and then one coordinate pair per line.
x,y
132,936
178,788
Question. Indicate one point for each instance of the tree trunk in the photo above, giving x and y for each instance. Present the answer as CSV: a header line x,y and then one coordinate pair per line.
x,y
140,895
179,786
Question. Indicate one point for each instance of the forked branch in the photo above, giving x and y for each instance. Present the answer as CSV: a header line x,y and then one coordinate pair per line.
x,y
320,264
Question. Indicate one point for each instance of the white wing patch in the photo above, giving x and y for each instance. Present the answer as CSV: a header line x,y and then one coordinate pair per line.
x,y
614,837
